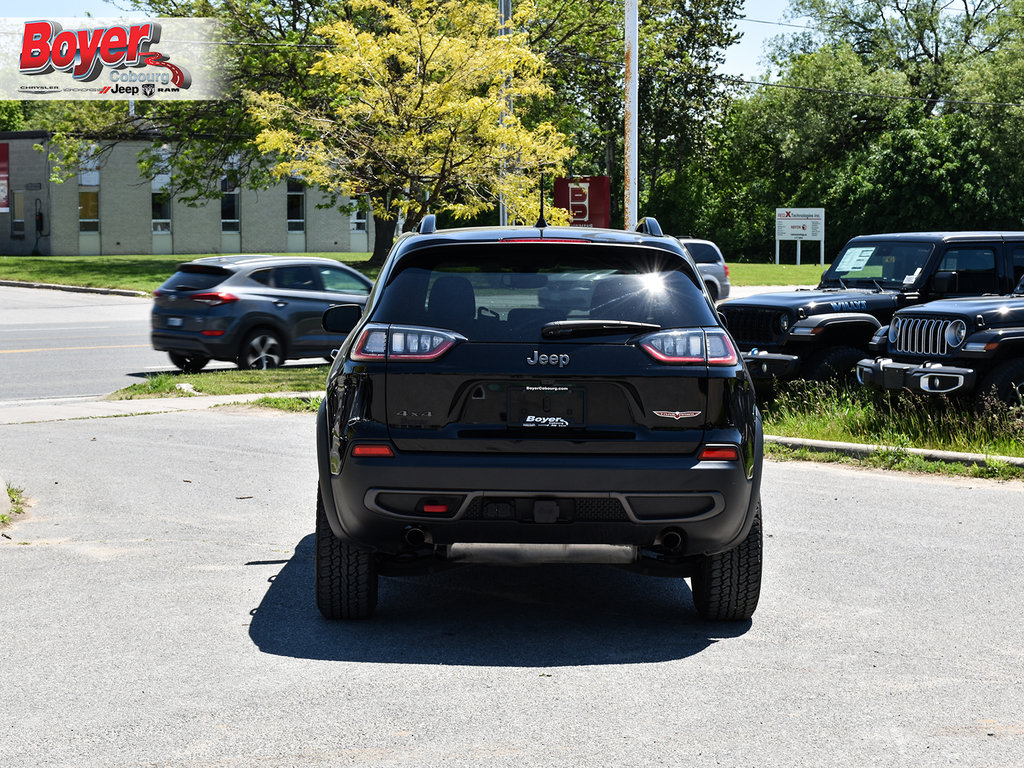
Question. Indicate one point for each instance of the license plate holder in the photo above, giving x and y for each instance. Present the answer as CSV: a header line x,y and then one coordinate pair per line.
x,y
546,407
175,322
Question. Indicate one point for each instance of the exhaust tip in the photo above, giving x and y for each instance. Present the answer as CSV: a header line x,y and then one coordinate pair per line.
x,y
415,537
671,539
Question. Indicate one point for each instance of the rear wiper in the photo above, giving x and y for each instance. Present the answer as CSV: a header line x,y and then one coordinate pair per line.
x,y
561,329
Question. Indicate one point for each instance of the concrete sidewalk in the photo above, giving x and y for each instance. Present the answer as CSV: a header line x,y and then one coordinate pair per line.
x,y
64,409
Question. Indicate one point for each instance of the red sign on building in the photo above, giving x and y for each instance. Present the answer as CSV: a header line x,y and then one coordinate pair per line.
x,y
5,179
587,198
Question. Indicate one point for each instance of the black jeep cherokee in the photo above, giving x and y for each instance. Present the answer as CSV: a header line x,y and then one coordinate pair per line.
x,y
953,347
476,414
822,333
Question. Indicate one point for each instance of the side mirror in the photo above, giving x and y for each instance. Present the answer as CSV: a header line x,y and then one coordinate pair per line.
x,y
342,318
944,282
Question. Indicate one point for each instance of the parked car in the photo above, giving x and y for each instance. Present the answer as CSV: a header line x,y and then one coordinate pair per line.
x,y
822,333
952,347
257,311
712,266
468,418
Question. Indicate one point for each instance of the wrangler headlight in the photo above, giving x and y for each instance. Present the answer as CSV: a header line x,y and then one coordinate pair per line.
x,y
956,332
894,329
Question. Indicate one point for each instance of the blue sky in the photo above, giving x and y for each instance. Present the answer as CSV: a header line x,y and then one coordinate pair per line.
x,y
743,58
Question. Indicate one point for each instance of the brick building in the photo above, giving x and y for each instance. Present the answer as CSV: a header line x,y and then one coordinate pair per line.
x,y
111,209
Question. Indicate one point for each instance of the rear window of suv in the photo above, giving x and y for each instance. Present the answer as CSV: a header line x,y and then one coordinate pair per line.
x,y
703,253
195,278
508,292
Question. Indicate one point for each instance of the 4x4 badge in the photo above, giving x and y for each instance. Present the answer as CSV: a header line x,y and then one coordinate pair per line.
x,y
677,415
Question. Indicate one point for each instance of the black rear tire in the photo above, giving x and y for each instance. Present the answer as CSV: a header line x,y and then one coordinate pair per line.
x,y
346,576
836,364
1007,382
726,586
188,363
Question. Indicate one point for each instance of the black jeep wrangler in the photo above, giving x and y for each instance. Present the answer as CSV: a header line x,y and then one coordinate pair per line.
x,y
953,347
822,333
538,394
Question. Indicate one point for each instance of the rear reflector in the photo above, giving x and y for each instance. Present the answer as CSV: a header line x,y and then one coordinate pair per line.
x,y
720,453
380,451
438,509
213,333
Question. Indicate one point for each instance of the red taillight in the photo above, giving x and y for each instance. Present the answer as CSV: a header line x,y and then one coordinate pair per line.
x,y
376,451
399,342
720,453
690,347
213,333
214,298
726,271
157,293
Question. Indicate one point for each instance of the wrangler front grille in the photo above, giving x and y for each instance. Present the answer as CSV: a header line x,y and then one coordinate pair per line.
x,y
754,326
922,336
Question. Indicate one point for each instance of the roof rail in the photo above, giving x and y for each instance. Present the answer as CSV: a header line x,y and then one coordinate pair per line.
x,y
649,225
427,225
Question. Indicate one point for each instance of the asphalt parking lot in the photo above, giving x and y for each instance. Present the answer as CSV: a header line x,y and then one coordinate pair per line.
x,y
158,611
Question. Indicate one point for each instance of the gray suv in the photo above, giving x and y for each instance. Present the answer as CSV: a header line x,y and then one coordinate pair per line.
x,y
256,311
711,265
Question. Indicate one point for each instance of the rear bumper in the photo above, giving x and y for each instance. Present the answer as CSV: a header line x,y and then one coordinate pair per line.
x,y
930,378
188,343
540,499
771,365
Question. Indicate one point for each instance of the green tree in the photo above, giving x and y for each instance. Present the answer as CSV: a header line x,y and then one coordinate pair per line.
x,y
417,114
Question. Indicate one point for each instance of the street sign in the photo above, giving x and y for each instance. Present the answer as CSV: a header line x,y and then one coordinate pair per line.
x,y
799,224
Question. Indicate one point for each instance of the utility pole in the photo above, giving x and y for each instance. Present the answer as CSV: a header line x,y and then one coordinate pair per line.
x,y
504,15
632,104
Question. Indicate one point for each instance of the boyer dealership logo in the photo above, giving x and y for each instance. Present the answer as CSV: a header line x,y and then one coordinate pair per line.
x,y
84,53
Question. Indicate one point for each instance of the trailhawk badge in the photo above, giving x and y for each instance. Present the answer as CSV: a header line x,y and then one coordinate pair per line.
x,y
677,415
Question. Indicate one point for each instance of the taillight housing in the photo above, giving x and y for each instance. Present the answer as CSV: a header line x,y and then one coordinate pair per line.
x,y
402,342
214,298
691,347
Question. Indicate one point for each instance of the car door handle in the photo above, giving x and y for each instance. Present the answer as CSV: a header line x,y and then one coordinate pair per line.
x,y
280,303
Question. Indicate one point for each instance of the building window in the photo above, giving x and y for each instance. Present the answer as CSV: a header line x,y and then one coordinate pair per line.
x,y
296,206
358,220
18,214
89,194
161,212
161,202
230,205
88,210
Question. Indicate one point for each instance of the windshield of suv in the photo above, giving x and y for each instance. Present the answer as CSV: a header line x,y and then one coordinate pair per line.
x,y
881,264
510,291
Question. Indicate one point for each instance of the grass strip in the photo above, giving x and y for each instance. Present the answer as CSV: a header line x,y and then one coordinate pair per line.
x,y
17,498
290,378
290,404
818,411
135,273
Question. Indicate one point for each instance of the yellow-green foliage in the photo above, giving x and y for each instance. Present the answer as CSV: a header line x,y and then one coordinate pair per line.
x,y
422,108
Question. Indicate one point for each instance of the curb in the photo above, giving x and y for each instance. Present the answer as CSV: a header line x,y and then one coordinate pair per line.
x,y
860,450
73,288
5,501
71,409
